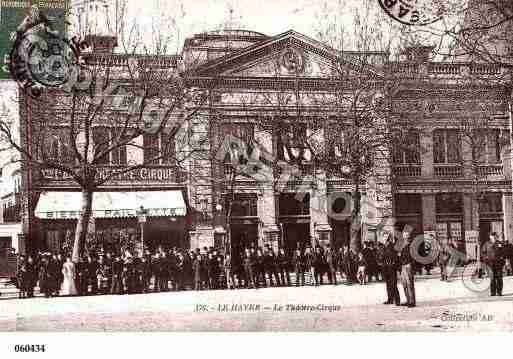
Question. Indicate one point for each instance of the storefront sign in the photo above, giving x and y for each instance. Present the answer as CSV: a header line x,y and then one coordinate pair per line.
x,y
160,174
117,213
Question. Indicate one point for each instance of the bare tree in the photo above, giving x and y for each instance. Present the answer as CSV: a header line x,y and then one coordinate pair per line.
x,y
85,132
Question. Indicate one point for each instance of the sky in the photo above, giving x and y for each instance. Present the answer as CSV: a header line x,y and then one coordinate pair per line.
x,y
270,17
267,16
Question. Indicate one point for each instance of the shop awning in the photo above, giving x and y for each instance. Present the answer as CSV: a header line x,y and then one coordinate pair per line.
x,y
67,205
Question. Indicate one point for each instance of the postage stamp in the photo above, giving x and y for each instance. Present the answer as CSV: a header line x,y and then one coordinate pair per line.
x,y
413,12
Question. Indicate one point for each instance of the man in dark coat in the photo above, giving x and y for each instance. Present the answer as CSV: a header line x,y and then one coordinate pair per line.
x,y
146,272
92,270
283,267
270,266
156,263
81,277
299,267
188,274
493,256
319,265
165,272
331,260
249,267
310,265
196,269
407,271
370,259
259,271
389,268
117,276
213,270
30,277
21,275
45,282
55,270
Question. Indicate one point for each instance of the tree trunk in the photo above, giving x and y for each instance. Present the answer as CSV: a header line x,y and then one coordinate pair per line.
x,y
356,220
82,224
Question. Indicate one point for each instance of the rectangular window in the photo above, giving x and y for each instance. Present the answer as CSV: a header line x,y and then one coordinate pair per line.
x,y
56,147
101,143
408,152
244,205
294,204
243,131
167,142
487,146
151,149
446,146
408,204
292,143
491,203
449,203
119,156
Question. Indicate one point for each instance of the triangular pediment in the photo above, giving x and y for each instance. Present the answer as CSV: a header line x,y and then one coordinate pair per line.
x,y
286,55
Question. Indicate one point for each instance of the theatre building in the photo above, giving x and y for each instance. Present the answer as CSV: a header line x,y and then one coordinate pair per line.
x,y
429,189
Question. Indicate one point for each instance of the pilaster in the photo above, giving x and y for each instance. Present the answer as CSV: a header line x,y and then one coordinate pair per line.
x,y
507,208
269,231
428,212
426,152
320,228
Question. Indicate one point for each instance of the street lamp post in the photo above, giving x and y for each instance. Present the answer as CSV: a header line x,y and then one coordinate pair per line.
x,y
141,217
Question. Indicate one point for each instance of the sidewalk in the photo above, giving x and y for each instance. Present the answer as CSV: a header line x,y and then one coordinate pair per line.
x,y
356,307
11,292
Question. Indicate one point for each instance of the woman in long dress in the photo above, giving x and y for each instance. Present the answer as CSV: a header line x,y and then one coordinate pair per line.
x,y
68,285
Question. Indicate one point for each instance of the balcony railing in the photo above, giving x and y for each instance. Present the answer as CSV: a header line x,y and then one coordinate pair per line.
x,y
444,69
484,69
407,170
490,170
448,170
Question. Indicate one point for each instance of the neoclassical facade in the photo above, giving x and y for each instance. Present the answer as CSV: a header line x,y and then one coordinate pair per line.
x,y
429,189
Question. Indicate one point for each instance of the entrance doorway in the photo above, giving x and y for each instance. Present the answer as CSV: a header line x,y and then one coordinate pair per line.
x,y
164,232
341,233
243,236
295,234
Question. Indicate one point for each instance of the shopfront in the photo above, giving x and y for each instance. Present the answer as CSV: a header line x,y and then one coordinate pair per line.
x,y
244,222
116,220
449,219
340,218
408,209
490,216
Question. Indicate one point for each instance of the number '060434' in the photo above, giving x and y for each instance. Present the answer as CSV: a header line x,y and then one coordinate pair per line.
x,y
29,348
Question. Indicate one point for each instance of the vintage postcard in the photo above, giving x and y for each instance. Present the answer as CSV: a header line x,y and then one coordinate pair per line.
x,y
255,166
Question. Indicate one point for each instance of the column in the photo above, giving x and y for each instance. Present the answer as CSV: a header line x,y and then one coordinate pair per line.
x,y
508,216
470,226
466,155
270,233
426,153
320,228
428,212
470,213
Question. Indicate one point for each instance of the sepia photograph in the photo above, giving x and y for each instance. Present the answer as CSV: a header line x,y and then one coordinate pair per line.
x,y
255,166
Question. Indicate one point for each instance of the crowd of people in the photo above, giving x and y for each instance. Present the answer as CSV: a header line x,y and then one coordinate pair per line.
x,y
208,268
254,267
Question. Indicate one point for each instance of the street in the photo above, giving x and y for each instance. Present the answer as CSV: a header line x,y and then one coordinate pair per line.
x,y
441,306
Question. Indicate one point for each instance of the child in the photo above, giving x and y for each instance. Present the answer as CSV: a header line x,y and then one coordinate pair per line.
x,y
362,269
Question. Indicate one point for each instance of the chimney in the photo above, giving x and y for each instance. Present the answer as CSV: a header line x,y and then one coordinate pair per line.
x,y
102,44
